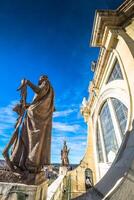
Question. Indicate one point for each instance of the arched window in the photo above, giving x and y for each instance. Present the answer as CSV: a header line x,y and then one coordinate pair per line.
x,y
115,73
121,113
108,131
88,178
99,146
112,112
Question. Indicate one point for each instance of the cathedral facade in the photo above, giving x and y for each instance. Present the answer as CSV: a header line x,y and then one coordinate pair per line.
x,y
109,110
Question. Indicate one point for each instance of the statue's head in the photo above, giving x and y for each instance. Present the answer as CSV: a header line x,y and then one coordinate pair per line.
x,y
42,78
65,144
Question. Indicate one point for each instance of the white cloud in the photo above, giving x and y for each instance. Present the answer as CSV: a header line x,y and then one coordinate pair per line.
x,y
7,119
76,141
7,116
63,113
65,127
69,138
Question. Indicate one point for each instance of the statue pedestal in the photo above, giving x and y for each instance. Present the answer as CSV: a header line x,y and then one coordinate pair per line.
x,y
63,170
35,179
25,178
29,187
17,191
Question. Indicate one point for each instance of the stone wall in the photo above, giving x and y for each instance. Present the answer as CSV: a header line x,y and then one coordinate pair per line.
x,y
14,191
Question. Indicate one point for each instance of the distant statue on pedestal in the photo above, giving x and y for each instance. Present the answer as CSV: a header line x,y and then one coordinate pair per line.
x,y
29,148
64,155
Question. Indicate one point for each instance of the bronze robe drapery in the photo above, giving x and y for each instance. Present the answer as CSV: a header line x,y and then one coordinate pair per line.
x,y
32,149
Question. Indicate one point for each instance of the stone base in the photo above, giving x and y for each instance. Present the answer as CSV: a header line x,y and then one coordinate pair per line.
x,y
63,170
17,191
23,178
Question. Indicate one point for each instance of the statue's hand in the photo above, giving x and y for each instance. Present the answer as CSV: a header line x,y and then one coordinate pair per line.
x,y
23,82
27,82
27,105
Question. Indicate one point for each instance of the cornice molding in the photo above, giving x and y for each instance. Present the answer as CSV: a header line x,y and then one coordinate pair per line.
x,y
110,18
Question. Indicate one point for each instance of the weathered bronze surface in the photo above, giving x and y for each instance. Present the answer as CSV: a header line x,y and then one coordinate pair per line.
x,y
31,141
64,155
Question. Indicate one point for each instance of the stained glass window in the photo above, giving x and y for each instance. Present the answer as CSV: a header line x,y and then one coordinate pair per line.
x,y
121,113
99,146
108,130
115,73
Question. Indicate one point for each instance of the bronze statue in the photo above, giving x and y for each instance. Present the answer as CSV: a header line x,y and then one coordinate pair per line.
x,y
64,155
31,141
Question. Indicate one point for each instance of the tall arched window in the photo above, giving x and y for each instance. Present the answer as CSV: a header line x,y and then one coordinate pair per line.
x,y
108,131
99,145
113,111
121,113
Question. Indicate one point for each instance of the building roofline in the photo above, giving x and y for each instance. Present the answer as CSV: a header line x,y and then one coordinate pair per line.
x,y
110,18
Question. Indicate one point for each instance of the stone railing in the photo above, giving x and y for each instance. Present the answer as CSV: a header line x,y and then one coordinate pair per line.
x,y
17,191
56,189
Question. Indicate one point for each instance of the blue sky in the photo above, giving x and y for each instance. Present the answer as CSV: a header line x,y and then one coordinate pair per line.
x,y
49,37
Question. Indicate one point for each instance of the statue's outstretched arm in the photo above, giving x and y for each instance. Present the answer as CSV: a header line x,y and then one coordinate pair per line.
x,y
35,88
